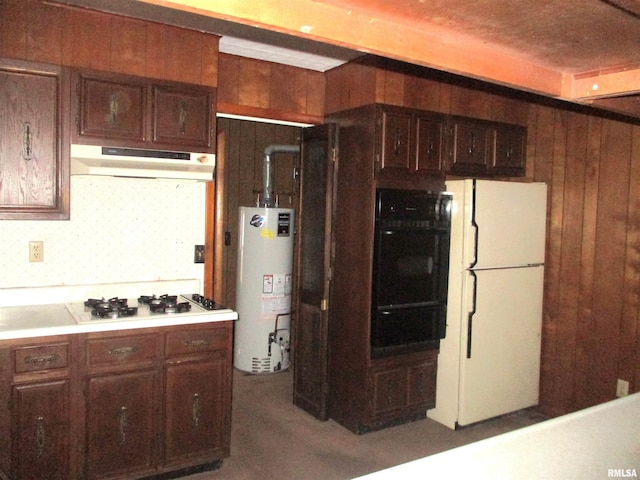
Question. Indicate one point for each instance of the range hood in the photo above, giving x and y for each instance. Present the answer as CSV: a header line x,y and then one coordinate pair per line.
x,y
135,162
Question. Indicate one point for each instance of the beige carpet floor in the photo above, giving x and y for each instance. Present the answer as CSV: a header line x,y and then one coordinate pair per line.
x,y
271,439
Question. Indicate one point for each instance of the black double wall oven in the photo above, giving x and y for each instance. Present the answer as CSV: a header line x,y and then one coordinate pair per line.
x,y
410,271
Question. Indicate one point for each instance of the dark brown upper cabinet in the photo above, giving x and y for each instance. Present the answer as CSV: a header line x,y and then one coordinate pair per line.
x,y
486,149
183,116
128,111
112,108
471,149
511,146
34,141
411,142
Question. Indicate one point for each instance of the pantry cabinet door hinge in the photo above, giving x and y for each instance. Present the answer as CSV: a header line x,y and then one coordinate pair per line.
x,y
334,155
324,305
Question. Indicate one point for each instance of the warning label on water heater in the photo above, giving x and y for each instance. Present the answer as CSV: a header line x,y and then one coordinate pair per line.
x,y
276,294
276,284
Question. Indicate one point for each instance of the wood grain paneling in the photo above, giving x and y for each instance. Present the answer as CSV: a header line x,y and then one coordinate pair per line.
x,y
128,50
268,90
44,32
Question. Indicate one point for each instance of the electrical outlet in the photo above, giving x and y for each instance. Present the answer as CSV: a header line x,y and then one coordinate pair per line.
x,y
36,251
622,389
198,254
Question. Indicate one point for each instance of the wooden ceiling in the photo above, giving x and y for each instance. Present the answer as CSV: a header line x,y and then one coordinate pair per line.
x,y
581,51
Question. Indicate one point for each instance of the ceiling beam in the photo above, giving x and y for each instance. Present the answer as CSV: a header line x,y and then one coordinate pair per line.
x,y
597,85
421,44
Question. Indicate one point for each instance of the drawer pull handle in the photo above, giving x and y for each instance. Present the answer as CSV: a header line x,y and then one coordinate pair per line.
x,y
195,410
123,350
195,343
40,436
41,358
122,420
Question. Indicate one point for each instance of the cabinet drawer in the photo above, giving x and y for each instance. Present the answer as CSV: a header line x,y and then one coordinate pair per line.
x,y
196,341
41,357
125,349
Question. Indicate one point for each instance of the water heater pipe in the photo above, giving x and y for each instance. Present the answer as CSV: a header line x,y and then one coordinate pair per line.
x,y
267,200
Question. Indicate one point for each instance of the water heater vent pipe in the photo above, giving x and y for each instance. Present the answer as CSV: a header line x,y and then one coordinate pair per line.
x,y
267,171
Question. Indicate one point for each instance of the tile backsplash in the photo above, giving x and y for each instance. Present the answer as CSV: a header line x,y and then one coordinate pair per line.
x,y
121,230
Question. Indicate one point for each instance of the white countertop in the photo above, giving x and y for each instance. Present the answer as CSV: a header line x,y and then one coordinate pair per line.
x,y
596,443
41,311
43,320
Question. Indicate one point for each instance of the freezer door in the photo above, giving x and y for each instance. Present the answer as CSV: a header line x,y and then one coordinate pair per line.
x,y
509,219
500,354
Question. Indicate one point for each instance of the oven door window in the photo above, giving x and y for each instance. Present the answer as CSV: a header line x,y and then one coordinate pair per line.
x,y
408,268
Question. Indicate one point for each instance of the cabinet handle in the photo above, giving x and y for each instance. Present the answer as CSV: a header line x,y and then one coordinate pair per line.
x,y
123,350
472,143
122,420
195,343
182,118
397,143
430,145
390,389
41,358
195,410
28,140
40,436
114,108
421,391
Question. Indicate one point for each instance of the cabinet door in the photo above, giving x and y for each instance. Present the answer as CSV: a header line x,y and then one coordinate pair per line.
x,y
396,141
389,390
510,150
471,152
41,430
195,406
111,109
122,427
183,116
422,385
429,135
33,142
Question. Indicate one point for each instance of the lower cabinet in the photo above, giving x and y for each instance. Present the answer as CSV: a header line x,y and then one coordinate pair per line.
x,y
194,420
402,389
118,405
41,430
122,434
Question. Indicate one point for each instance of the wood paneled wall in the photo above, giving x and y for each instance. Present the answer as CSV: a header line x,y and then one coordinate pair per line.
x,y
385,81
591,163
257,88
62,35
241,154
591,333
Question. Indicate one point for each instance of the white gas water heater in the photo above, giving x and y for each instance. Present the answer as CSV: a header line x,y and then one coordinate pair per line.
x,y
265,277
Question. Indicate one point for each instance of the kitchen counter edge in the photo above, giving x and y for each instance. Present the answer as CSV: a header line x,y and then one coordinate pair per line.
x,y
31,321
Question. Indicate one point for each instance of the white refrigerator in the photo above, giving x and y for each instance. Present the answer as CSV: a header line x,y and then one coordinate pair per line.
x,y
489,361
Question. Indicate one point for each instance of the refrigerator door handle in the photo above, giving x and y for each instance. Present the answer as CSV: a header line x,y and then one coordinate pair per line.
x,y
474,225
472,312
507,267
